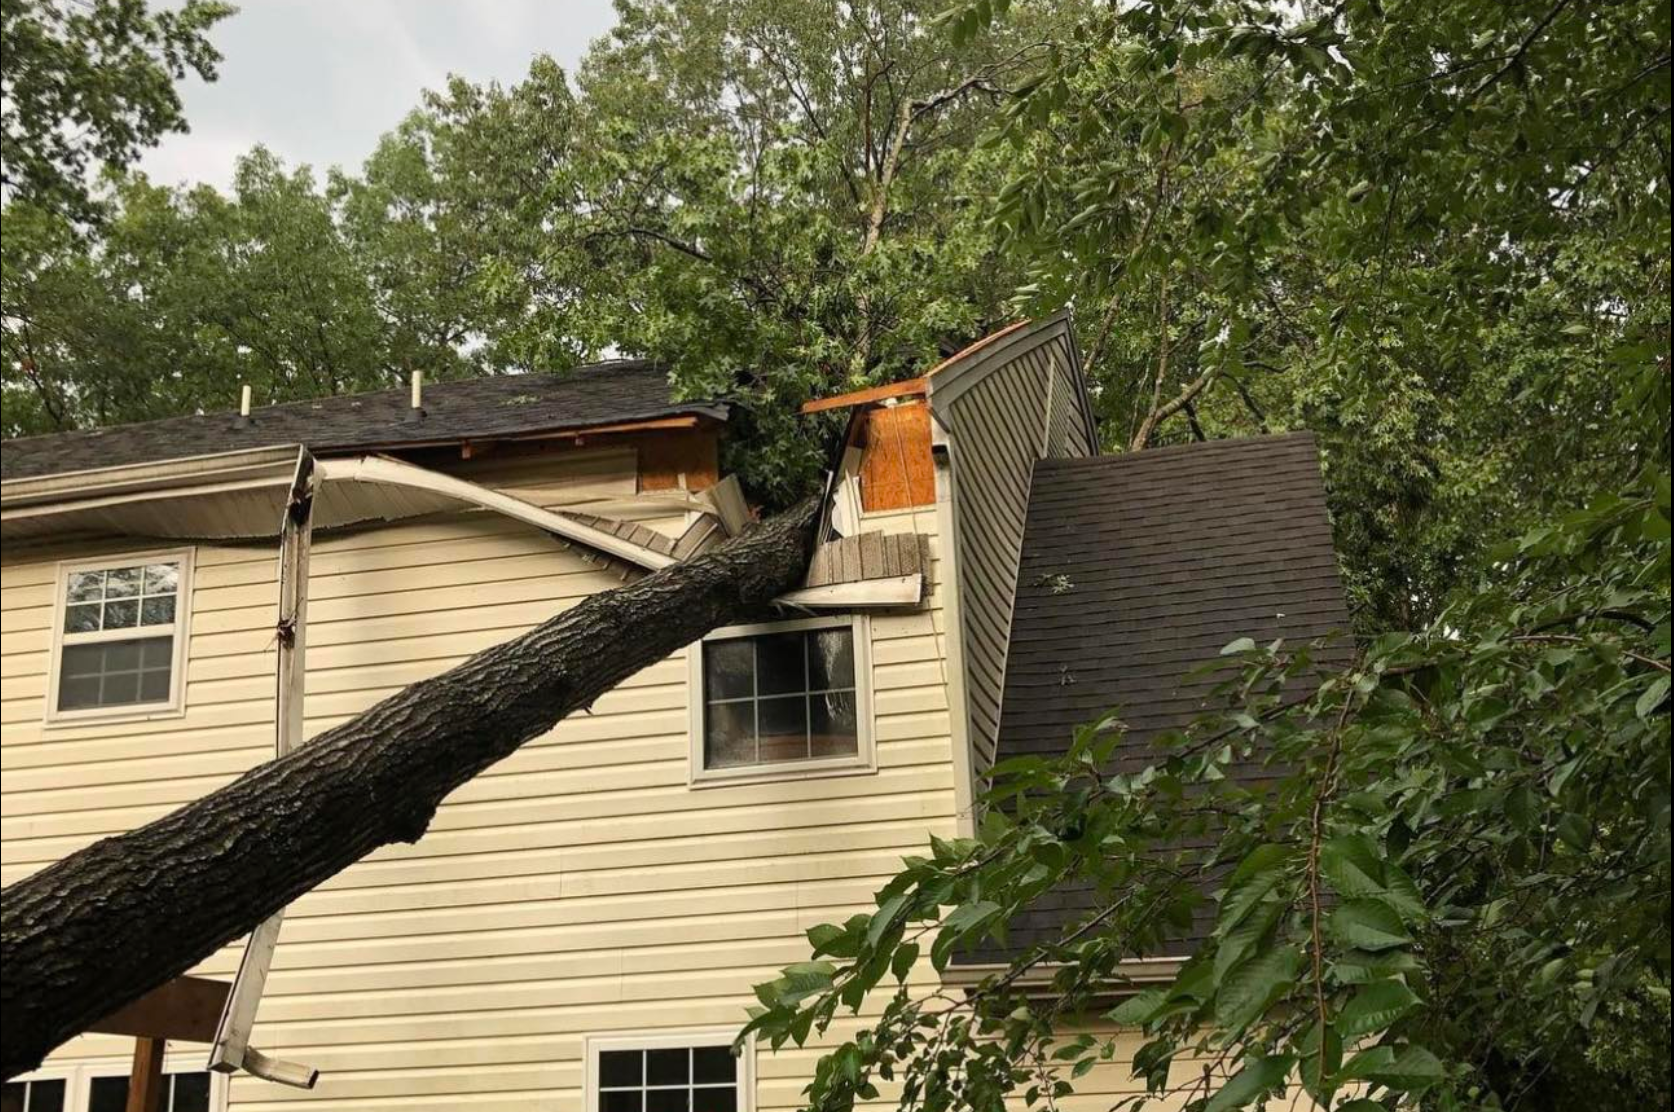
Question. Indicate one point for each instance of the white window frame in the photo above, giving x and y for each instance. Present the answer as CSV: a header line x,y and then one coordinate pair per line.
x,y
670,1040
180,631
78,1077
865,759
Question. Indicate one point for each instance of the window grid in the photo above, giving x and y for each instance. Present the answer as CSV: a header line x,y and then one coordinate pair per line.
x,y
806,640
687,1093
119,632
88,595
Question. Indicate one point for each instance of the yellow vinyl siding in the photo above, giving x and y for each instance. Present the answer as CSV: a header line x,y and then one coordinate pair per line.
x,y
579,887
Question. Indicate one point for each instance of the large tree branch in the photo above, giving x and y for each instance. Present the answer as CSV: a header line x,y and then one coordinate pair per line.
x,y
98,929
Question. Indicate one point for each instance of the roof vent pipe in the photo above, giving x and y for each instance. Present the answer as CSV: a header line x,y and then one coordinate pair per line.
x,y
415,406
242,421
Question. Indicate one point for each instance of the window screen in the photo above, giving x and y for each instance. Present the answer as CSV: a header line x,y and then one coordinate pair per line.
x,y
119,631
668,1079
779,697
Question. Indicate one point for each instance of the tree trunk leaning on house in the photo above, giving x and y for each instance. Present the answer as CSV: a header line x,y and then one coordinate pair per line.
x,y
107,924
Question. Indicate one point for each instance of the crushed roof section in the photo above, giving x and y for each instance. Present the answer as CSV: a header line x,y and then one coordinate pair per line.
x,y
501,406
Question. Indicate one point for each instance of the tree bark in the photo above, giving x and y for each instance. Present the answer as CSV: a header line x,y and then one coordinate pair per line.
x,y
103,926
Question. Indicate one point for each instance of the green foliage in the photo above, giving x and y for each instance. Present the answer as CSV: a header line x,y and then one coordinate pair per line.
x,y
90,83
1452,870
780,202
1435,234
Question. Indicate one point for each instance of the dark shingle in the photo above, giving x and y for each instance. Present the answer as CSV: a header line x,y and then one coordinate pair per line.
x,y
1136,570
471,409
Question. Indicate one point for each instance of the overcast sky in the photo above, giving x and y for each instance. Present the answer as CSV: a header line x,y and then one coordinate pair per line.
x,y
318,81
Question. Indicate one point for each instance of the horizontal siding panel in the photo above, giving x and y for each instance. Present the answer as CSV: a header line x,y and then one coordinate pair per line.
x,y
578,887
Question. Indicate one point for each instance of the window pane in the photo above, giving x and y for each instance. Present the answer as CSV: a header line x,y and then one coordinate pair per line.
x,y
162,579
120,689
728,669
191,1092
122,613
86,586
620,1067
780,667
122,582
784,729
668,1067
109,1094
121,656
111,673
620,1100
81,619
830,659
47,1096
154,686
715,1100
157,611
156,652
832,722
714,1064
11,1096
729,732
667,1100
77,692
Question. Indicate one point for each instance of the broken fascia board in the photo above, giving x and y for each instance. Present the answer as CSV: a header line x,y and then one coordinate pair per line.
x,y
386,471
900,590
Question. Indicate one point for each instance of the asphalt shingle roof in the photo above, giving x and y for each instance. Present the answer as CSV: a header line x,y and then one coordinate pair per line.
x,y
471,409
1139,568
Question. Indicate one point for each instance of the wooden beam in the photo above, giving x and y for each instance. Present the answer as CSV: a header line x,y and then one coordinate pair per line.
x,y
902,590
232,1048
903,389
185,1009
146,1080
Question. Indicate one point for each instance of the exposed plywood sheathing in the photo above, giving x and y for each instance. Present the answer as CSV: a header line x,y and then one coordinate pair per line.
x,y
687,460
895,469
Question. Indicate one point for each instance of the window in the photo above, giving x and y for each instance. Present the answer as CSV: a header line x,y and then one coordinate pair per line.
x,y
783,698
121,634
182,1092
45,1095
668,1073
102,1086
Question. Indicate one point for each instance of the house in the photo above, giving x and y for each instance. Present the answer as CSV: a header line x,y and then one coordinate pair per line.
x,y
581,927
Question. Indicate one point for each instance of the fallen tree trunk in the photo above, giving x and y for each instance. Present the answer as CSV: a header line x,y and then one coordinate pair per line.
x,y
98,929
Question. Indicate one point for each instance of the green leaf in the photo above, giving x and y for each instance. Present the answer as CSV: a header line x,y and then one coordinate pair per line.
x,y
1254,987
1369,925
1408,1069
1260,1076
1652,698
1376,1007
884,918
1352,865
1136,1011
902,963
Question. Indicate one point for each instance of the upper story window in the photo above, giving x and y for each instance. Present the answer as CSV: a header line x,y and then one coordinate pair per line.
x,y
667,1073
782,698
120,636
